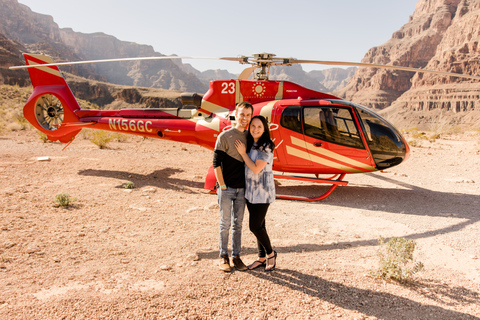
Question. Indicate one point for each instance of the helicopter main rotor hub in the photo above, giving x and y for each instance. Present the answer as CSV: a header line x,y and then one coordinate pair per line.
x,y
262,63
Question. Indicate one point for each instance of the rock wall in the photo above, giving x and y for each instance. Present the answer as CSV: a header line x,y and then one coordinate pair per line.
x,y
440,35
40,34
456,100
10,53
411,46
333,79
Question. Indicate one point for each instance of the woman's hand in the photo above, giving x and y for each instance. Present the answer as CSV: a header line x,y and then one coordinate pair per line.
x,y
240,147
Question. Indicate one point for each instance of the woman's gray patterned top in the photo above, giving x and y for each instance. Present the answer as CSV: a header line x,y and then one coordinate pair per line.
x,y
260,188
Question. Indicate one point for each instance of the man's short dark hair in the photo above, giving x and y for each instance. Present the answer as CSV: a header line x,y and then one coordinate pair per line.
x,y
244,104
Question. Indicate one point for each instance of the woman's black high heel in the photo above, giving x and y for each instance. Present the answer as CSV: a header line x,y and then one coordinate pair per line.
x,y
274,257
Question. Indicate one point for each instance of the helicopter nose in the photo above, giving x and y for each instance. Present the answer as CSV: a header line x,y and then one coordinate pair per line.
x,y
388,147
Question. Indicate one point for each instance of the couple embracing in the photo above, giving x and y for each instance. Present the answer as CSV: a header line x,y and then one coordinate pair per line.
x,y
242,161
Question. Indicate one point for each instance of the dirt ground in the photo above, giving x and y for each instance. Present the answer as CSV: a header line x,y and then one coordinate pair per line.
x,y
151,252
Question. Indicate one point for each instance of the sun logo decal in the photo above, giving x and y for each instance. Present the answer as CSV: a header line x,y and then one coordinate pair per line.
x,y
258,89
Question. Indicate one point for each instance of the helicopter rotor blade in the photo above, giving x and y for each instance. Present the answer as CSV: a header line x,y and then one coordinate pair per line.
x,y
33,65
382,66
256,61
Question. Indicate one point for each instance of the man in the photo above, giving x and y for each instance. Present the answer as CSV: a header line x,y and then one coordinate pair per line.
x,y
230,173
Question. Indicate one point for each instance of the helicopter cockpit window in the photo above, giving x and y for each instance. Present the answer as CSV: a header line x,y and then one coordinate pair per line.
x,y
291,118
379,135
334,125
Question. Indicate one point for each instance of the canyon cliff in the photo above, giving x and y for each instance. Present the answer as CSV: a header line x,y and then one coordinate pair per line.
x,y
38,33
440,35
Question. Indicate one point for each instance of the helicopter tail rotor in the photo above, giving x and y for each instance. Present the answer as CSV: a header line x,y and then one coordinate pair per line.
x,y
51,107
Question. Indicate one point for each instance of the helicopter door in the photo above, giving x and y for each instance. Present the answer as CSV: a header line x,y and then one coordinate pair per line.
x,y
333,140
290,138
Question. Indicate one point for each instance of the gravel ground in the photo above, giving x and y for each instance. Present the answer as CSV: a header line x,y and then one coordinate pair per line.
x,y
151,252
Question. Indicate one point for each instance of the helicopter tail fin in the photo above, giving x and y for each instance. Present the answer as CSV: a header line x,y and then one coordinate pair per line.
x,y
51,107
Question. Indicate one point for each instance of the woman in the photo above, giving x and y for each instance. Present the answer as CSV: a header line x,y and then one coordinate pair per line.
x,y
259,186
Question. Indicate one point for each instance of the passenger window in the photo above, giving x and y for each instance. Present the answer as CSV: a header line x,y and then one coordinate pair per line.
x,y
334,125
291,118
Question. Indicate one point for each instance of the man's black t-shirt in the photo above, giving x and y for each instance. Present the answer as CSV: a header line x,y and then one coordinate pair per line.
x,y
227,157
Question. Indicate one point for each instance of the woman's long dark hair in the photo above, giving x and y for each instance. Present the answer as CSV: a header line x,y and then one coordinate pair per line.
x,y
265,141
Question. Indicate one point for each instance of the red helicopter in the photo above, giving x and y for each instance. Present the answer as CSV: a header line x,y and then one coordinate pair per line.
x,y
315,133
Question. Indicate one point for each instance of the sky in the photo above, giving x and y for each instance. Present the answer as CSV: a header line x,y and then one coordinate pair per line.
x,y
339,30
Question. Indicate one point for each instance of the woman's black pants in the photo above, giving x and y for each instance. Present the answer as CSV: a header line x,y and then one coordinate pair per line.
x,y
258,212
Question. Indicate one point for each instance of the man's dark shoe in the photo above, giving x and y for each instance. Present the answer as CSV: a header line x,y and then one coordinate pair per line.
x,y
238,263
225,263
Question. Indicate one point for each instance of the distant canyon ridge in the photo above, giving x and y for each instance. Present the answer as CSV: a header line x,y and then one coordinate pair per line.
x,y
440,35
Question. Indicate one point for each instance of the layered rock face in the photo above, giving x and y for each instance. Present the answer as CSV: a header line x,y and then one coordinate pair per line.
x,y
9,56
333,79
455,101
40,34
440,35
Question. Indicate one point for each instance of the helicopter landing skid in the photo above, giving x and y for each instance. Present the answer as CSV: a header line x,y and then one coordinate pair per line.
x,y
334,182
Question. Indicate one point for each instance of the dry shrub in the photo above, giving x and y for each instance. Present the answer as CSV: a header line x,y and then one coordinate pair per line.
x,y
12,100
120,137
128,185
63,200
101,138
396,259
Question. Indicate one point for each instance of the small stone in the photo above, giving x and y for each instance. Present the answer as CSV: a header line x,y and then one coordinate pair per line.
x,y
192,257
165,267
142,209
212,206
194,209
8,244
33,249
149,190
104,230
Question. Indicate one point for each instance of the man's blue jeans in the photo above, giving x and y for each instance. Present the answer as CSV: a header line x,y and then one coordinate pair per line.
x,y
232,208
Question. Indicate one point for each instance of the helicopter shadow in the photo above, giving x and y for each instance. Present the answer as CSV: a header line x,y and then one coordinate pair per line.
x,y
394,200
387,306
407,200
160,178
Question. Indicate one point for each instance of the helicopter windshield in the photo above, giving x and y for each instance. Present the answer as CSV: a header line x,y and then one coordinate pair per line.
x,y
384,141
